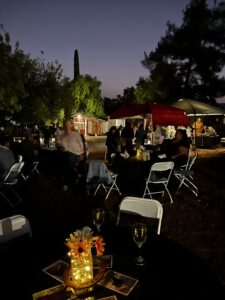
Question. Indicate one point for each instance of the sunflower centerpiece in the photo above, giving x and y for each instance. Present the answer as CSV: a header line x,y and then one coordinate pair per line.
x,y
81,244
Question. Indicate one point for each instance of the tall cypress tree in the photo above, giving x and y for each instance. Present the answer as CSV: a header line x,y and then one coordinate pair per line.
x,y
76,65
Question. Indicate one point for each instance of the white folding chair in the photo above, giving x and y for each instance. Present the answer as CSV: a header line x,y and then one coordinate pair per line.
x,y
13,227
10,180
100,174
33,170
148,208
185,174
159,175
113,186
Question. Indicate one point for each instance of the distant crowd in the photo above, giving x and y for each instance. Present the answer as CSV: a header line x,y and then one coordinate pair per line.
x,y
174,142
70,144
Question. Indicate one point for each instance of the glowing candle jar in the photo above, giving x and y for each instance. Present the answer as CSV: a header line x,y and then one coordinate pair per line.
x,y
81,267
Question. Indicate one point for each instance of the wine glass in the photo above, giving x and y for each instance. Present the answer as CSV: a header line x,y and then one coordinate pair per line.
x,y
139,233
98,216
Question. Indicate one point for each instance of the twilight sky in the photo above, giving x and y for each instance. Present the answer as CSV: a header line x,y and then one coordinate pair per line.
x,y
110,35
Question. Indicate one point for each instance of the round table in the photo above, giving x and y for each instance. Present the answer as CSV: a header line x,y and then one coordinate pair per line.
x,y
171,272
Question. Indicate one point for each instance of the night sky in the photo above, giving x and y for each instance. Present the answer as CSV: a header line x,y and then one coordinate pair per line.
x,y
110,35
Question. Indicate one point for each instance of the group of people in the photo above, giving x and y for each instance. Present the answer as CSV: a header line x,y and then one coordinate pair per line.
x,y
199,128
122,140
70,143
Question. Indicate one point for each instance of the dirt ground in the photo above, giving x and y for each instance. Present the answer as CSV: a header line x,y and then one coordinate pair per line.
x,y
196,222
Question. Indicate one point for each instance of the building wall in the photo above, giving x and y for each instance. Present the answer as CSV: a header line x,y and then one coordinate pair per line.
x,y
93,126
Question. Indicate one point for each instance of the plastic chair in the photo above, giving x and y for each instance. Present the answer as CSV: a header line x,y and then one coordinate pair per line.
x,y
13,227
10,180
148,208
100,174
160,174
185,175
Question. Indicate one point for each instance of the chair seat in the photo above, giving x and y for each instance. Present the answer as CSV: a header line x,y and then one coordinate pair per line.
x,y
183,172
160,180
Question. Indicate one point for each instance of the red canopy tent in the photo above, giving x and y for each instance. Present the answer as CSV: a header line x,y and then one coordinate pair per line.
x,y
161,114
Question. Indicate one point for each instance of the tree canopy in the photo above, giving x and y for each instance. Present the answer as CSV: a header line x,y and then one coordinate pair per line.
x,y
32,91
189,59
86,95
11,84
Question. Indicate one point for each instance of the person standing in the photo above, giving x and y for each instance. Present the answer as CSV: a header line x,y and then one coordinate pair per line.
x,y
127,135
198,126
112,142
71,143
140,135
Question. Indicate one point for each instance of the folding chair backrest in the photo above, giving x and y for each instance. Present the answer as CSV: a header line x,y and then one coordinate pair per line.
x,y
162,166
20,158
14,171
148,208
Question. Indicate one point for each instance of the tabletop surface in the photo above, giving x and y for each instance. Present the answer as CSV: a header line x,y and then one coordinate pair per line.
x,y
171,270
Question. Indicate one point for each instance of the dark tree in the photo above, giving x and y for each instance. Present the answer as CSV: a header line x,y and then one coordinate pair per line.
x,y
76,65
189,59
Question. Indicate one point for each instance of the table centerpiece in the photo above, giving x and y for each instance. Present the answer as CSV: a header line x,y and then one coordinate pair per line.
x,y
83,244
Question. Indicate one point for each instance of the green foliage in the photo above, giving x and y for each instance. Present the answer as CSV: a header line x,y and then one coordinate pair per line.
x,y
189,59
11,83
41,81
86,94
32,91
29,89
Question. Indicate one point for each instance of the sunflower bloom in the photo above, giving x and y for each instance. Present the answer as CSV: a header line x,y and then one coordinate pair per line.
x,y
100,246
79,248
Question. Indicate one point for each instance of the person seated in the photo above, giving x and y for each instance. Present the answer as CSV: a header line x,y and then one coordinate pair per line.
x,y
170,132
178,149
72,145
7,158
209,130
158,136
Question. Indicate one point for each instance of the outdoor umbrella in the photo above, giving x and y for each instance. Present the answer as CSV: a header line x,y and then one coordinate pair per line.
x,y
196,108
161,114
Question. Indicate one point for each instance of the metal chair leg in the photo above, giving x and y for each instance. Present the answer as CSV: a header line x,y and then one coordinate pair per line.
x,y
16,194
6,199
98,187
168,192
